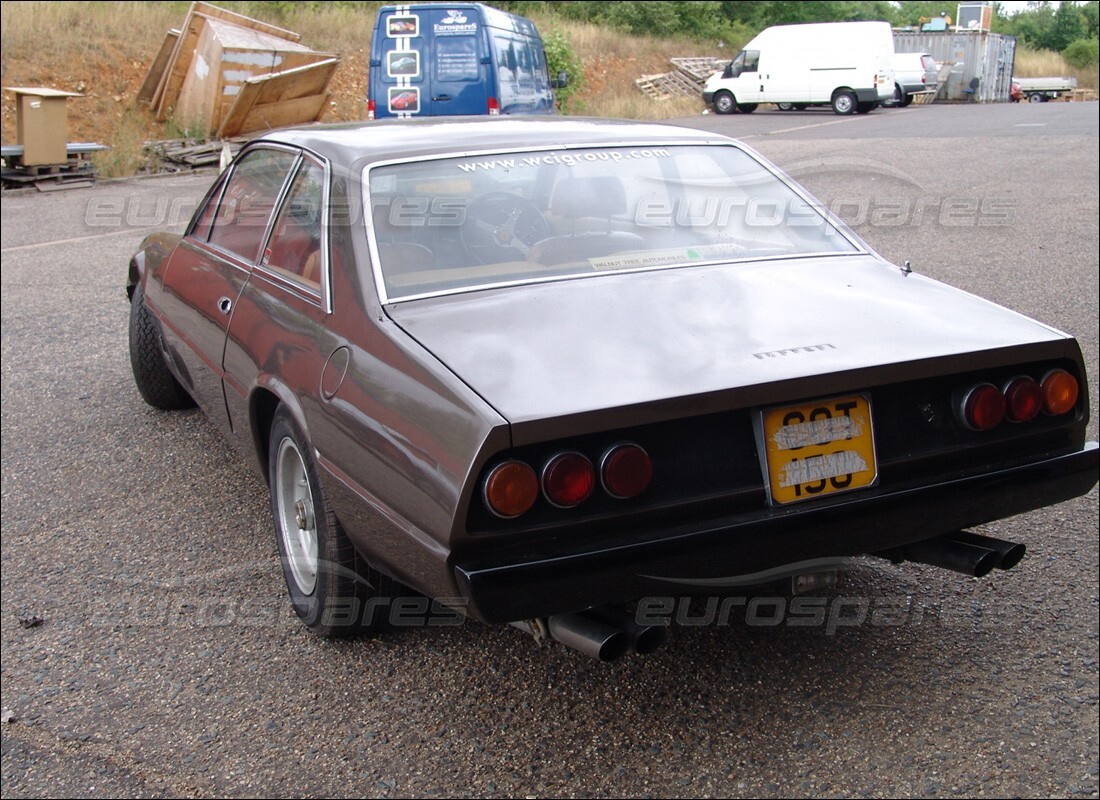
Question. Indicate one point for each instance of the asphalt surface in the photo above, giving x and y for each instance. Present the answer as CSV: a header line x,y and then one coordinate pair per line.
x,y
148,648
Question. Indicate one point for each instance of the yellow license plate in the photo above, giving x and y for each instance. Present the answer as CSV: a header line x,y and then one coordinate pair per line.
x,y
818,449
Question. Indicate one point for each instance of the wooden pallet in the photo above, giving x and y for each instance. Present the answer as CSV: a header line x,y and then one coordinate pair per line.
x,y
667,85
1078,96
699,68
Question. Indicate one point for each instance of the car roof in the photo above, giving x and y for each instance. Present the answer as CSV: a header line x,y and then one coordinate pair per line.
x,y
397,139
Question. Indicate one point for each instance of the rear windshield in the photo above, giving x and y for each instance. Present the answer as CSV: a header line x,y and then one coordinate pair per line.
x,y
460,224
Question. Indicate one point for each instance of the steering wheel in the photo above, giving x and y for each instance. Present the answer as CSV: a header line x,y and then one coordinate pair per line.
x,y
501,226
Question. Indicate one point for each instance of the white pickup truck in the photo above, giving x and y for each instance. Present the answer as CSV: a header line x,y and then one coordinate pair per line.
x,y
1039,90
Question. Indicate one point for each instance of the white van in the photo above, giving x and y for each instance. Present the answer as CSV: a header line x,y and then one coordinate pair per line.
x,y
848,65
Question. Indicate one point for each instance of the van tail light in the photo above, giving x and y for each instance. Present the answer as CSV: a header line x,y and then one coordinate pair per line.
x,y
511,489
370,109
494,107
625,471
1059,392
983,407
568,479
1023,399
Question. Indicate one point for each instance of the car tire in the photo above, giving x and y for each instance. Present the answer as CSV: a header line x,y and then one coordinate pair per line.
x,y
898,98
907,101
785,106
800,106
724,103
746,108
156,383
1035,97
330,584
866,108
844,101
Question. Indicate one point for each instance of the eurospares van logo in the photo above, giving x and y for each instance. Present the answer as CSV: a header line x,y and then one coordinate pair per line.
x,y
454,23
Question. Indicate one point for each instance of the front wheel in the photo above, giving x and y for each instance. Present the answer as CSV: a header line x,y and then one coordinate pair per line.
x,y
724,103
1036,98
785,106
844,102
329,583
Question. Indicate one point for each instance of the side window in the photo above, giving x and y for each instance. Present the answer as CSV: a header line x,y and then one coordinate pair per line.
x,y
204,219
295,245
752,60
248,201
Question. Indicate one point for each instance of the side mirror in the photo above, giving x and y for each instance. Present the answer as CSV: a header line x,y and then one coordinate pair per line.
x,y
561,81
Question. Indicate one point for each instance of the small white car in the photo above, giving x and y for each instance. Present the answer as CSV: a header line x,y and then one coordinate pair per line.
x,y
914,73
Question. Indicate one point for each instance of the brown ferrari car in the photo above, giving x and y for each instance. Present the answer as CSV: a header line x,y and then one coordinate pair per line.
x,y
539,369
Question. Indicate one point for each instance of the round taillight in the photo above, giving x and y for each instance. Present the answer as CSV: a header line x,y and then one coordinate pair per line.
x,y
1059,392
511,489
568,479
1023,399
983,407
626,471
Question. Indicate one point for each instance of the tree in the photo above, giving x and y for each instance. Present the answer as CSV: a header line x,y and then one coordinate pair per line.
x,y
1069,26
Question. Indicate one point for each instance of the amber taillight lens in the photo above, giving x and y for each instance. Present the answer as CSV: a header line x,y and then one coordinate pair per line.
x,y
1024,399
568,479
983,407
626,471
511,489
1059,392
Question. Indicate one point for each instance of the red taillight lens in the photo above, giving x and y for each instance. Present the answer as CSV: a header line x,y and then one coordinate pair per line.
x,y
1059,392
568,479
1023,398
370,109
511,489
983,407
494,107
626,471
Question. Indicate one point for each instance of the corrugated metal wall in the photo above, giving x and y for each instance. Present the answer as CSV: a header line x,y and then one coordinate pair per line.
x,y
971,54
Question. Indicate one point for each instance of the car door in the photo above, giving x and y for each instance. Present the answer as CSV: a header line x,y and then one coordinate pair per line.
x,y
278,332
201,282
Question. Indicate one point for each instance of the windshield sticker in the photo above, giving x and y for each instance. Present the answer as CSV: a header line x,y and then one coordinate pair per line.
x,y
563,159
661,258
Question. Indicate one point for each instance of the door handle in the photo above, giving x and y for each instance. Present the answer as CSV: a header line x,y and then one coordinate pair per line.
x,y
225,305
441,97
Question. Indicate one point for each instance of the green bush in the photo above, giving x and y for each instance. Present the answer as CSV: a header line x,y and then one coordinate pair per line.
x,y
1083,53
561,57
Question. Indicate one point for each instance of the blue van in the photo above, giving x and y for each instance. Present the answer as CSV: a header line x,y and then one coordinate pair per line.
x,y
430,60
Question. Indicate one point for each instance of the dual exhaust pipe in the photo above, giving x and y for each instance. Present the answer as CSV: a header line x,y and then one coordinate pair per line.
x,y
604,633
607,633
969,553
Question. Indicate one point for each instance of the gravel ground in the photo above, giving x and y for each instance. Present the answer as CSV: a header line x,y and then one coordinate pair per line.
x,y
148,648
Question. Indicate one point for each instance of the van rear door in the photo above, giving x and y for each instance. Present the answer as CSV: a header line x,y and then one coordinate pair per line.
x,y
432,63
459,64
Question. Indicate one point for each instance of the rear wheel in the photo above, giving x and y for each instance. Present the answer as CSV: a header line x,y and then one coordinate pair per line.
x,y
724,103
156,383
1035,97
866,108
844,101
908,100
329,583
746,108
784,106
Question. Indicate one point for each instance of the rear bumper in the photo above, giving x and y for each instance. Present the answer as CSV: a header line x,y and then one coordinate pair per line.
x,y
707,554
